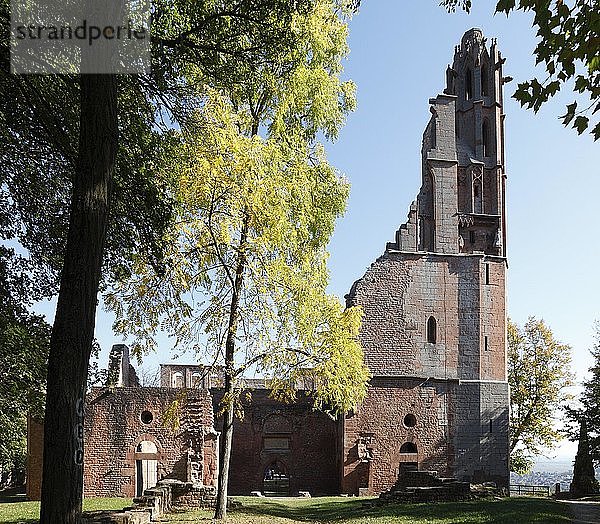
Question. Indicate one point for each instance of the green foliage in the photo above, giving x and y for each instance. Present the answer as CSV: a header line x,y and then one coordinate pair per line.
x,y
24,345
538,374
589,410
287,198
569,47
247,256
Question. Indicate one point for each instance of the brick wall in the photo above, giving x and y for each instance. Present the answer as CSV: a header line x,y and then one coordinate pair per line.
x,y
398,294
114,427
382,426
35,455
312,460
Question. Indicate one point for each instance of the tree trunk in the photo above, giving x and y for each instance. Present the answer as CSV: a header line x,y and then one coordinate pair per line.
x,y
228,414
74,322
224,458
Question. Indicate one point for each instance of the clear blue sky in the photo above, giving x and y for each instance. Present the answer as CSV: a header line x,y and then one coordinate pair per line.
x,y
399,54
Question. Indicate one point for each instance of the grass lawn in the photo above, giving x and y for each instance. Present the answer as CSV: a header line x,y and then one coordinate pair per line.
x,y
29,512
516,510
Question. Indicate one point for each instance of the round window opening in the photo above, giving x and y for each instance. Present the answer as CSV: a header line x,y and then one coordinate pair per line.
x,y
410,421
146,417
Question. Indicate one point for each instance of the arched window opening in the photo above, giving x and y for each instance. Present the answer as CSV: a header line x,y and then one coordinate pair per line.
x,y
484,80
196,380
468,84
177,380
431,330
408,447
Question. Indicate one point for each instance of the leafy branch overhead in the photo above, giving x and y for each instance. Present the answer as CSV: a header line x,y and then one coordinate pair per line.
x,y
569,47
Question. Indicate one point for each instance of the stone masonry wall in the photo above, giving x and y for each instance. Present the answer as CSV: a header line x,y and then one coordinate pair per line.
x,y
400,291
480,435
114,426
312,438
380,425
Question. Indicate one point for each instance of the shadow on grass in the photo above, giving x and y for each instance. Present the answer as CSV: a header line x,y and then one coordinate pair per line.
x,y
13,495
515,510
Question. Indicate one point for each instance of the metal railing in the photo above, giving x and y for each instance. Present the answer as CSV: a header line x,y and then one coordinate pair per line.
x,y
524,489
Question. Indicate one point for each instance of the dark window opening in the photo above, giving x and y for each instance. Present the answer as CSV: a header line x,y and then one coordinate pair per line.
x,y
468,85
408,447
431,330
486,138
487,274
477,198
472,236
484,80
410,421
485,343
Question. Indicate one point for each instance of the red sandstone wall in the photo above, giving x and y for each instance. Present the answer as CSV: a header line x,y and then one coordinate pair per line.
x,y
400,292
35,455
113,428
312,460
379,424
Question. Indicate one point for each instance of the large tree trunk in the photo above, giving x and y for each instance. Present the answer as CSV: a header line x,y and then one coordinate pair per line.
x,y
73,330
229,408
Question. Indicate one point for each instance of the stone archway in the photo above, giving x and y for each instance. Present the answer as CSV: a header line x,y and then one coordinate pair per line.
x,y
276,480
408,458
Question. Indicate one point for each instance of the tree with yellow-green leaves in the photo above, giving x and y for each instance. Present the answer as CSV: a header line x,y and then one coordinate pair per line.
x,y
539,375
245,276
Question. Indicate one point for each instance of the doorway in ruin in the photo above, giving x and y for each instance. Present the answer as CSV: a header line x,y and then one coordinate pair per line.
x,y
276,481
146,466
408,458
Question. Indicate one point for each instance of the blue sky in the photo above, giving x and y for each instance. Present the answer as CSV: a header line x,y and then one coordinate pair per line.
x,y
399,54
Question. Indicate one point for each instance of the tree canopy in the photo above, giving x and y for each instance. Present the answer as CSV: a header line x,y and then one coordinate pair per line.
x,y
588,410
81,154
538,374
569,47
245,272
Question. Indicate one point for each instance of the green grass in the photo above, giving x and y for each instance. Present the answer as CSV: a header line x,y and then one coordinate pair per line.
x,y
29,512
338,510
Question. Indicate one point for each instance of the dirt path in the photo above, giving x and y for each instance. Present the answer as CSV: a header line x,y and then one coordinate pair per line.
x,y
584,511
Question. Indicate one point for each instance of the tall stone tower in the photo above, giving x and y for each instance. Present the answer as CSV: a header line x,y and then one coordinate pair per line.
x,y
434,326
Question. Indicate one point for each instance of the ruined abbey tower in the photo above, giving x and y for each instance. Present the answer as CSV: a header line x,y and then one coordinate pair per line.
x,y
434,326
434,337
